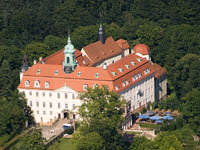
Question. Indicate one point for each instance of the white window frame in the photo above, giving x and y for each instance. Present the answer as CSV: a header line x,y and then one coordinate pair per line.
x,y
47,84
85,86
37,84
27,83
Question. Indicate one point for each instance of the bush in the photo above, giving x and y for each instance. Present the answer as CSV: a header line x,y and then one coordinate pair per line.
x,y
69,130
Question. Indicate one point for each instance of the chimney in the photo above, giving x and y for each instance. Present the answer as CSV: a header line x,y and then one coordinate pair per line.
x,y
104,66
34,62
40,58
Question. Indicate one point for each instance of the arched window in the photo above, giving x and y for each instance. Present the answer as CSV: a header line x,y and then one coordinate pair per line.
x,y
37,83
67,59
27,83
47,84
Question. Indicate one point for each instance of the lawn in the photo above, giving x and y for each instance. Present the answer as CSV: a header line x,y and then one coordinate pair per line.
x,y
63,144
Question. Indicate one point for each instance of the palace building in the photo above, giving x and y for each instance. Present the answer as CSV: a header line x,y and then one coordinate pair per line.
x,y
52,84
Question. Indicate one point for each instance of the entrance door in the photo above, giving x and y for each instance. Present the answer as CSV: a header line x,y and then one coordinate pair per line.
x,y
66,115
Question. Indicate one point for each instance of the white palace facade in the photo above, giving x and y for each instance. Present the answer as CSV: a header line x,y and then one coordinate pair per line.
x,y
52,84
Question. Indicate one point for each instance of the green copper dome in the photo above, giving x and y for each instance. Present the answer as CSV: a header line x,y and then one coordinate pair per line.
x,y
69,48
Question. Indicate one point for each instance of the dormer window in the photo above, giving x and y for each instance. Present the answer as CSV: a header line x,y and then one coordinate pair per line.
x,y
139,59
133,63
85,86
79,74
127,66
56,72
133,78
37,84
47,84
139,75
84,61
116,87
27,83
114,73
136,76
120,69
38,71
95,86
123,84
127,82
97,75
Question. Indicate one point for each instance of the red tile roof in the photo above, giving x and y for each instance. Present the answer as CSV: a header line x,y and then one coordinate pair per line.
x,y
98,51
123,44
58,57
88,75
142,49
160,71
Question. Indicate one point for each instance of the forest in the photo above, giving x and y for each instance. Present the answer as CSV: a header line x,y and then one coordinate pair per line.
x,y
171,28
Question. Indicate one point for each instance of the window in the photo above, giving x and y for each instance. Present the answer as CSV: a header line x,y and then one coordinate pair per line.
x,y
66,96
139,59
85,86
120,69
38,71
133,63
84,61
133,78
51,113
116,87
31,103
97,75
136,76
46,84
44,104
37,104
73,96
56,72
43,94
30,93
113,61
114,73
38,112
44,112
127,82
79,74
123,84
37,84
74,106
50,104
127,66
67,59
37,94
95,86
58,95
66,106
27,83
58,105
139,75
50,94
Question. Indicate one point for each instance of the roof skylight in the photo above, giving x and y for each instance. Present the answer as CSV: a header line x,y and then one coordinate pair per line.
x,y
114,73
127,66
133,63
120,69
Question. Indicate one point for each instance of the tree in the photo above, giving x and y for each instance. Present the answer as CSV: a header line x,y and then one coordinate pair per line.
x,y
32,141
101,111
91,141
185,75
190,110
141,143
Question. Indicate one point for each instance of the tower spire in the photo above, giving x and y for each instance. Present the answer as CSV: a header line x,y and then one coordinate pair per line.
x,y
101,32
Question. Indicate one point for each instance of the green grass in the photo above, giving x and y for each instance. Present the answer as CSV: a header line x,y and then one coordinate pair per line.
x,y
63,144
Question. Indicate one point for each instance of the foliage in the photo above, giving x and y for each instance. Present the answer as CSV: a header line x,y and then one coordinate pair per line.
x,y
148,125
63,144
91,141
32,141
190,111
186,74
101,112
141,143
69,130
